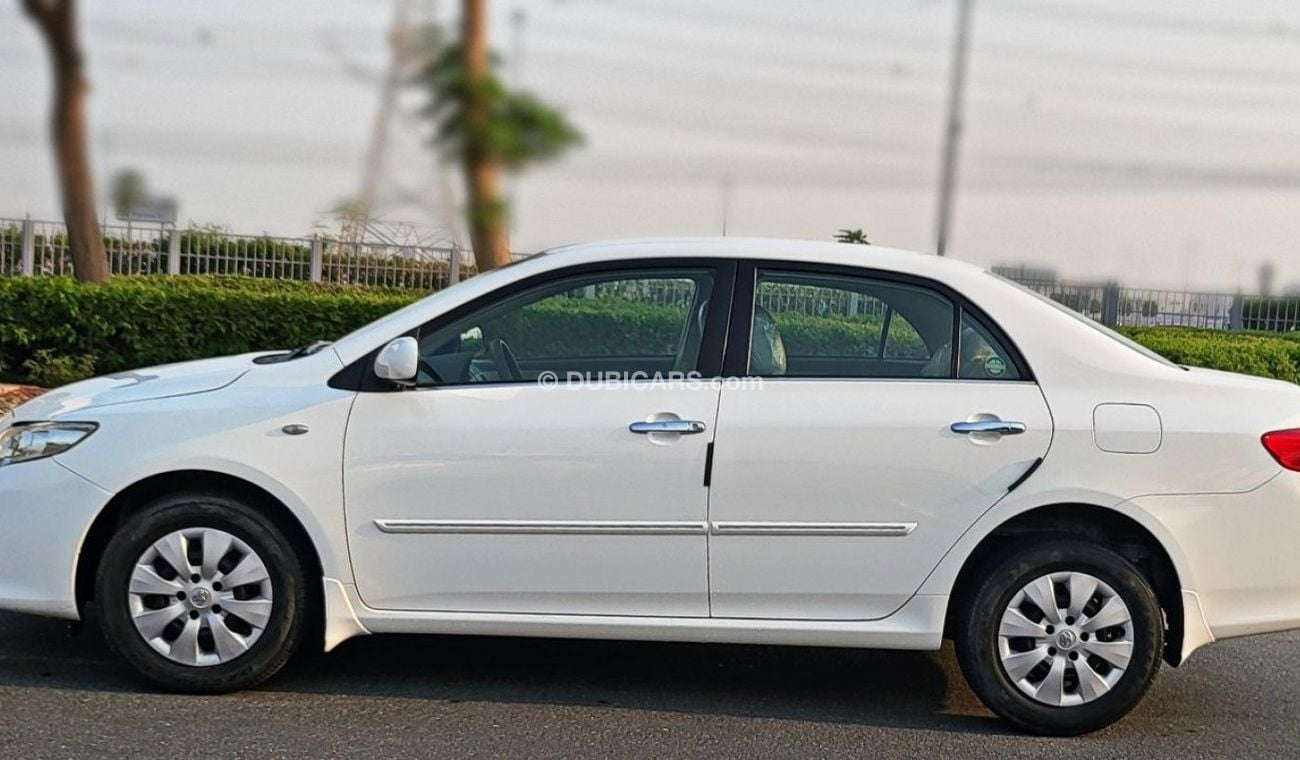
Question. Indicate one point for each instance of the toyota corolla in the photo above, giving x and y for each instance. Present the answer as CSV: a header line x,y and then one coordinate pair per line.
x,y
692,440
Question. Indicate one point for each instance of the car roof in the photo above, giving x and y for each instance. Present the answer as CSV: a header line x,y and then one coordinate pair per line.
x,y
812,251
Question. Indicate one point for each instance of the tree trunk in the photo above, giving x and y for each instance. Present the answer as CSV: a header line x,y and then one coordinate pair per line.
x,y
487,212
57,21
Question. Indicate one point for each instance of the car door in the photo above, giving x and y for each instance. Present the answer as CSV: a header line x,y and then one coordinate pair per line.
x,y
551,457
839,480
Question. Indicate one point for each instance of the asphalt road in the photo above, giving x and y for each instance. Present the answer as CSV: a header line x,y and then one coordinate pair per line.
x,y
396,697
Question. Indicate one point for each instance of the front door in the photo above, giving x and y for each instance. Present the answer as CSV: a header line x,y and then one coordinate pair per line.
x,y
552,457
839,481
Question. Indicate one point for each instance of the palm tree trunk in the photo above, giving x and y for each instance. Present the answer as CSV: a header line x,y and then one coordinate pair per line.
x,y
57,21
487,212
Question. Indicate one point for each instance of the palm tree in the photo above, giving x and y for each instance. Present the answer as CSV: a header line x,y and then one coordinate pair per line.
x,y
852,236
488,128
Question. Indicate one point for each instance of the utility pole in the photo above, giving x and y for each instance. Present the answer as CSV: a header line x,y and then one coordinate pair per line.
x,y
518,20
385,190
728,187
953,128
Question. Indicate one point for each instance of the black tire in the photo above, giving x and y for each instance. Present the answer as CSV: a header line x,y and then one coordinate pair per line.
x,y
977,640
291,598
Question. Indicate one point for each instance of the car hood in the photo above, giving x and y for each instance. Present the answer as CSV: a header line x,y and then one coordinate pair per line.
x,y
182,379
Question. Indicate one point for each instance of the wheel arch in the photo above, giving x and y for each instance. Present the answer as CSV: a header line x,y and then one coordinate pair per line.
x,y
140,493
1106,526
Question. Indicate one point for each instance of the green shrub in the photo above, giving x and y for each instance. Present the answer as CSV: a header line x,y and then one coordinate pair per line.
x,y
1263,354
132,322
51,370
612,326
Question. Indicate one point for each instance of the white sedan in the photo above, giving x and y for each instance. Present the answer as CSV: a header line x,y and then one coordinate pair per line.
x,y
728,440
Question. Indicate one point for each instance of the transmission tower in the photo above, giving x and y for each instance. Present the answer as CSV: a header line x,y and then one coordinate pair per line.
x,y
399,202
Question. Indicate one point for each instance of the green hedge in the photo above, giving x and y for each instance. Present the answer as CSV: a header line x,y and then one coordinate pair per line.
x,y
600,326
1252,353
52,327
139,321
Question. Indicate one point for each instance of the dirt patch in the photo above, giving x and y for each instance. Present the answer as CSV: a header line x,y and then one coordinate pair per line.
x,y
13,395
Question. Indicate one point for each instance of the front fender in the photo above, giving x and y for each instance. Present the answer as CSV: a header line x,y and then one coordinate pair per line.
x,y
217,433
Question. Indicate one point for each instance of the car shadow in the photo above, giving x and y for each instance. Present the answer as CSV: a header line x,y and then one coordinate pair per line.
x,y
851,686
844,686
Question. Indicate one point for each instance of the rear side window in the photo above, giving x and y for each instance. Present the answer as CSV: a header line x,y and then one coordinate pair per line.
x,y
825,325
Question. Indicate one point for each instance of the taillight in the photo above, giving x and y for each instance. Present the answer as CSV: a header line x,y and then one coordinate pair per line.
x,y
1284,445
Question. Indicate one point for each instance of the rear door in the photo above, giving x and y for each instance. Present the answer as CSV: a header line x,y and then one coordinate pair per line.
x,y
838,479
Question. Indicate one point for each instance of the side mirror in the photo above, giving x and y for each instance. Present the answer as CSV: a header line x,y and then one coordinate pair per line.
x,y
399,362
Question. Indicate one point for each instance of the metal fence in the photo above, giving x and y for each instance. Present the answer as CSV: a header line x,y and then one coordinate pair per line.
x,y
31,247
1114,305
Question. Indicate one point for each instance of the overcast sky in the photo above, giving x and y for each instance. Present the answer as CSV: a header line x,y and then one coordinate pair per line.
x,y
1156,141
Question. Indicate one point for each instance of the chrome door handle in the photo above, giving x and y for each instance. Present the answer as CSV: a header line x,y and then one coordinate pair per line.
x,y
685,427
1005,427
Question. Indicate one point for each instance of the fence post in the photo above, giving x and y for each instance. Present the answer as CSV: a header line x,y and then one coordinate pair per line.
x,y
317,256
1236,314
453,266
174,252
1110,304
29,248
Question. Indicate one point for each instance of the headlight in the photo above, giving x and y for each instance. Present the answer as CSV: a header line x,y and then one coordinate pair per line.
x,y
23,443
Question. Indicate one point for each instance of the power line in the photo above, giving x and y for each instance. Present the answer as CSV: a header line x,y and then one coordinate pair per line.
x,y
1227,26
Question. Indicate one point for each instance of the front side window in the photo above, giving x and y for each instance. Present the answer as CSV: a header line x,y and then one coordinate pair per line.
x,y
820,325
609,325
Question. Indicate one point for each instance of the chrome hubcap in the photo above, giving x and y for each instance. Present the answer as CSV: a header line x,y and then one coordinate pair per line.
x,y
1065,639
200,596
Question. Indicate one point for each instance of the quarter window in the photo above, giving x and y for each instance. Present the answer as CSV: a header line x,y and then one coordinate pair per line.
x,y
983,357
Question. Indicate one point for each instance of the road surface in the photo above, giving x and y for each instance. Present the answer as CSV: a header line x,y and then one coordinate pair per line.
x,y
397,697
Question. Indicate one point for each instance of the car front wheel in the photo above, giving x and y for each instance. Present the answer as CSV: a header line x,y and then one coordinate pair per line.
x,y
201,593
1062,638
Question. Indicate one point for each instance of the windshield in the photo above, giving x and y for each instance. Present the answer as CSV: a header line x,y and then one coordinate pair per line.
x,y
1117,337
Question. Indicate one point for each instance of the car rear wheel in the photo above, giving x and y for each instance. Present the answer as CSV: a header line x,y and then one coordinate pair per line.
x,y
1062,638
202,593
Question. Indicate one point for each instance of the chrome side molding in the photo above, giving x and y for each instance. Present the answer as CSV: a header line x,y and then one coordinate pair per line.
x,y
634,527
883,530
553,527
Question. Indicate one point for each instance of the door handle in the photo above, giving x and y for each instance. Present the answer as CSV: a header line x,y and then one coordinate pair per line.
x,y
1005,427
685,427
